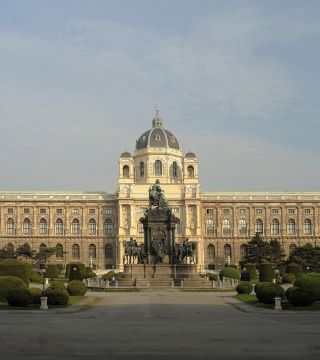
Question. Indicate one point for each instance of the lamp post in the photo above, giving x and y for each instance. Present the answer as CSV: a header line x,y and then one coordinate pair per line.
x,y
44,299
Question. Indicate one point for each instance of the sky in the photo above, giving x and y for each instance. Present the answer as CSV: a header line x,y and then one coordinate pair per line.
x,y
236,81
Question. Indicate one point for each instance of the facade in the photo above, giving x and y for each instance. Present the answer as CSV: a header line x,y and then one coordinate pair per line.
x,y
91,227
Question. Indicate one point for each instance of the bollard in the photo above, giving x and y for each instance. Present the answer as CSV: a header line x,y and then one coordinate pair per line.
x,y
277,303
116,283
172,284
107,285
213,284
44,304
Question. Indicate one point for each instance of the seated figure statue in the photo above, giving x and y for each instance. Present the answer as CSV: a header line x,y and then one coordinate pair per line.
x,y
156,196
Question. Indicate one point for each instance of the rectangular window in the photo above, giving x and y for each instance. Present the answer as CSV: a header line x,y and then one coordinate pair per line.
x,y
274,211
92,211
242,211
258,211
108,211
140,228
307,211
176,210
59,211
290,211
75,211
10,210
26,210
209,211
42,211
226,211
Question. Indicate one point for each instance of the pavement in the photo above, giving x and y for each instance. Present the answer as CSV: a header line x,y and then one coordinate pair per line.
x,y
159,325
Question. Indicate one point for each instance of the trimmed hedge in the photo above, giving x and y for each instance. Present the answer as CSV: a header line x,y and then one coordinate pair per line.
x,y
51,271
8,283
78,274
288,278
230,272
36,294
266,292
266,272
300,297
76,287
15,268
90,273
19,297
212,277
295,269
311,283
244,288
35,276
252,270
109,275
56,296
57,285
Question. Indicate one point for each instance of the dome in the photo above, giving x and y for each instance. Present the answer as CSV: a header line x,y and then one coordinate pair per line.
x,y
157,137
190,155
125,154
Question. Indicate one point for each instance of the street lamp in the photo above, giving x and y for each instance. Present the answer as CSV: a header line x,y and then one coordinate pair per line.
x,y
44,299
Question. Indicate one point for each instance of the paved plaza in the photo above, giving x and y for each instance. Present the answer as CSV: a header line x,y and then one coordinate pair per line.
x,y
160,325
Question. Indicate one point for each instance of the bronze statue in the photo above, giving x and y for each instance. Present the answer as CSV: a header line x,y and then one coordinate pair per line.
x,y
132,252
186,250
156,196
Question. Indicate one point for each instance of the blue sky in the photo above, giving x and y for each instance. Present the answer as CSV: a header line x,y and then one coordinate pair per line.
x,y
236,81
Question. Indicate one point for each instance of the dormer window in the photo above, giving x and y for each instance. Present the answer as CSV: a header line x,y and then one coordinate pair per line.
x,y
157,137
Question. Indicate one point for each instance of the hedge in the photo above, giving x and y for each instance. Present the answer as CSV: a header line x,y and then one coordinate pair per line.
x,y
76,287
15,268
90,273
35,276
266,292
288,278
300,297
56,296
252,270
309,282
295,269
36,294
51,271
8,283
229,272
19,297
78,274
109,275
266,272
57,285
244,288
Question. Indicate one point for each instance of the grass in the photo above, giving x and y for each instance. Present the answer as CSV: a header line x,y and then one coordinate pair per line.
x,y
207,289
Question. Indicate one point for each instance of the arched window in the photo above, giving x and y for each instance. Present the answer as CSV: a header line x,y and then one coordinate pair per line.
x,y
209,227
59,251
10,227
291,227
226,227
26,227
43,227
175,169
125,171
242,227
59,227
227,251
158,168
75,251
190,171
275,227
108,251
75,227
307,227
141,169
10,248
42,246
211,252
259,226
243,251
92,251
292,248
108,227
92,227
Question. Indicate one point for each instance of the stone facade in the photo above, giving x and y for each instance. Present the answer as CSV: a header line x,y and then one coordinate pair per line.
x,y
91,227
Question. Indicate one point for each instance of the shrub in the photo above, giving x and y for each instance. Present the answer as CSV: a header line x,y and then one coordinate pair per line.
x,y
244,288
78,274
229,272
252,270
288,291
35,276
60,267
288,278
36,294
266,292
90,273
295,269
300,297
8,283
51,271
56,296
109,275
19,297
15,268
76,287
309,282
266,272
57,285
212,277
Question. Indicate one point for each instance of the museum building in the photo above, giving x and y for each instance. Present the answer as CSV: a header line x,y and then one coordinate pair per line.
x,y
91,227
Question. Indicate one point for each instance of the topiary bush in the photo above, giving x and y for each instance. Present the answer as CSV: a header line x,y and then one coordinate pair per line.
x,y
57,285
309,282
56,296
266,292
19,297
51,271
295,269
15,268
75,271
300,297
230,272
109,275
90,273
252,270
266,272
8,283
244,288
36,294
212,277
76,287
35,276
288,291
288,278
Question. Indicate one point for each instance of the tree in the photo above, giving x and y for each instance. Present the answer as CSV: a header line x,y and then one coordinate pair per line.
x,y
25,251
6,254
307,256
44,254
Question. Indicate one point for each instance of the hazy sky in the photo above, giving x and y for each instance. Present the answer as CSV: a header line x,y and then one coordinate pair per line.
x,y
236,81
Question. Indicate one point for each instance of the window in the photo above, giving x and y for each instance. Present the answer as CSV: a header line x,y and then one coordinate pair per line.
x,y
209,211
243,251
59,227
125,171
307,227
92,251
92,227
227,251
275,227
242,227
226,227
141,169
307,211
178,228
10,210
75,251
292,248
259,211
190,171
158,168
211,252
92,211
108,251
290,211
176,210
226,211
259,226
10,248
75,227
175,169
274,211
108,227
291,227
157,137
59,251
26,227
140,228
75,211
210,227
10,227
108,211
42,211
43,227
242,211
26,210
59,211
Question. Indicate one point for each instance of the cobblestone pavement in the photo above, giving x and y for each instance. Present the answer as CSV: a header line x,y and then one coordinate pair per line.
x,y
166,325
